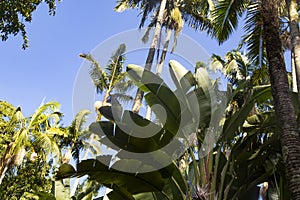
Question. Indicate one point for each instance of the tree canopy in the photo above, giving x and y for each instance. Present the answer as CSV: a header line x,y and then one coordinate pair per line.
x,y
15,14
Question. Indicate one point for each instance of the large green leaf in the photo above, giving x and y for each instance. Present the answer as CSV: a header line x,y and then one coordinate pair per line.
x,y
129,137
133,183
166,183
65,171
233,123
157,88
181,77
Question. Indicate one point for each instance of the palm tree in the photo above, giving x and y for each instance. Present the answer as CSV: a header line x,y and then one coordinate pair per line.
x,y
290,140
172,22
80,138
227,14
154,44
30,143
295,40
41,127
112,81
169,14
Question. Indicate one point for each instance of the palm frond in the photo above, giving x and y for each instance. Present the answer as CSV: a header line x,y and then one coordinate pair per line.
x,y
236,67
19,141
98,76
77,123
93,147
122,83
123,97
217,63
123,5
147,9
197,14
115,64
146,6
261,76
253,39
46,140
152,23
225,16
40,116
11,118
115,67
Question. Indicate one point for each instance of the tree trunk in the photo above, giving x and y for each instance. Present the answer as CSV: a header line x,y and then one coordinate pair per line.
x,y
160,65
139,94
4,168
294,75
164,53
295,38
290,141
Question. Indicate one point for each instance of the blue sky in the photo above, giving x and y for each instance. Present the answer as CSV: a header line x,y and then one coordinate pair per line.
x,y
48,68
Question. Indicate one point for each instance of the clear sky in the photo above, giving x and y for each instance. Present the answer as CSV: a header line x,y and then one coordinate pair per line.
x,y
48,68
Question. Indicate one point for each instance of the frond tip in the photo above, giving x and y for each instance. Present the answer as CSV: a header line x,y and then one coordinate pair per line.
x,y
98,75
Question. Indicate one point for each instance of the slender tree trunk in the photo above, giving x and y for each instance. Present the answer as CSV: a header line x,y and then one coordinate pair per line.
x,y
139,94
160,65
164,53
6,161
4,168
294,75
290,141
295,38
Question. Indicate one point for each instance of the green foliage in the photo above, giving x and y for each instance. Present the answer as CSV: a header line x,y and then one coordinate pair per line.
x,y
247,153
126,184
165,183
30,146
87,190
253,38
225,16
107,79
197,14
28,179
14,15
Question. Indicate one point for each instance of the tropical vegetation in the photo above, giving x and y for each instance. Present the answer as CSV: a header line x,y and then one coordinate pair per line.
x,y
225,142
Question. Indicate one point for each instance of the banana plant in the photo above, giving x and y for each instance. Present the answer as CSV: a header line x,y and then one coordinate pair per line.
x,y
164,183
227,154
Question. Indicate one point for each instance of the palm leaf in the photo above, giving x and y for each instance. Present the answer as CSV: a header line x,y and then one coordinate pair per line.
x,y
46,140
123,84
146,6
115,66
78,122
98,75
197,14
226,15
232,124
253,38
39,116
123,97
